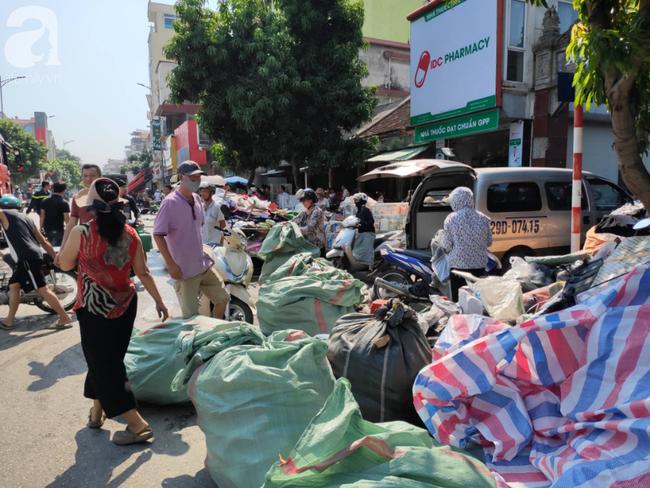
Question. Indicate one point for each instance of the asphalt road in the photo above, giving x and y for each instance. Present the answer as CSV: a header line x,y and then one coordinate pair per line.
x,y
44,441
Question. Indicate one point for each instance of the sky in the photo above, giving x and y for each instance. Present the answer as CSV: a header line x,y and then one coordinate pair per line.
x,y
83,60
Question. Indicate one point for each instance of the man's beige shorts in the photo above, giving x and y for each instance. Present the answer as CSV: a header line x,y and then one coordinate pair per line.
x,y
208,283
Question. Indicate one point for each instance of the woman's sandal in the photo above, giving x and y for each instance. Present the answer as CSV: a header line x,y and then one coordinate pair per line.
x,y
95,424
7,326
126,437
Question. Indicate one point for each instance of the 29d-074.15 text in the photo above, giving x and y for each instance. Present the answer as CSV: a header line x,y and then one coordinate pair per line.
x,y
515,226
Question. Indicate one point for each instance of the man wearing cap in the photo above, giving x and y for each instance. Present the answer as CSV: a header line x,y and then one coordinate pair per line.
x,y
177,232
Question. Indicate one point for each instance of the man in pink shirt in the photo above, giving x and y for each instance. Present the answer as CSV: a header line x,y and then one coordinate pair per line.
x,y
177,232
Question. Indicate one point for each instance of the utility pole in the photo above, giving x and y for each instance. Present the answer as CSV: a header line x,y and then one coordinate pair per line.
x,y
2,84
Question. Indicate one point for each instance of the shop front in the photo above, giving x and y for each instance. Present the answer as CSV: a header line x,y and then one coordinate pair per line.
x,y
457,100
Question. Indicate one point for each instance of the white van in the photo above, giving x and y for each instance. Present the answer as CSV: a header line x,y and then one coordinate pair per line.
x,y
530,208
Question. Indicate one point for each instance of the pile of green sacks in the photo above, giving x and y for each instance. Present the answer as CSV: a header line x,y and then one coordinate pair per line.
x,y
281,243
340,448
156,355
254,398
273,416
306,293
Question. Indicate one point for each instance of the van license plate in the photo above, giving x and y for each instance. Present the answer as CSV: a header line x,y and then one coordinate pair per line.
x,y
515,226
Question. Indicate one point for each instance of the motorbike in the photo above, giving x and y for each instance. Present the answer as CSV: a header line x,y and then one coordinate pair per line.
x,y
64,286
254,235
234,265
407,273
342,253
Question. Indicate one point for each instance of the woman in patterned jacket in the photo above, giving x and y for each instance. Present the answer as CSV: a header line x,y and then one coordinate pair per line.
x,y
466,237
105,250
312,220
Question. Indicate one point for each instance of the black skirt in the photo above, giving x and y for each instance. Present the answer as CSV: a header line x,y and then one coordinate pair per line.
x,y
104,343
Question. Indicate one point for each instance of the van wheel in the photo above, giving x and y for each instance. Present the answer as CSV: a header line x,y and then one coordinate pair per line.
x,y
519,252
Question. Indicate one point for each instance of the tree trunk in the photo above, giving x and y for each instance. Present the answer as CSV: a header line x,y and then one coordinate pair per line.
x,y
626,143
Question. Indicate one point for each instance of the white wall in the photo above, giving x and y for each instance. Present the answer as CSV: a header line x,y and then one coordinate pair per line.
x,y
382,72
163,71
598,153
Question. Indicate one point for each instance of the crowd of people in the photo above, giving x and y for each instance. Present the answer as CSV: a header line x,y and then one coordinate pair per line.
x,y
328,200
94,237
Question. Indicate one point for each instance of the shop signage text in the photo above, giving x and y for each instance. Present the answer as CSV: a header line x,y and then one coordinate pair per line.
x,y
155,135
448,5
426,63
454,60
458,127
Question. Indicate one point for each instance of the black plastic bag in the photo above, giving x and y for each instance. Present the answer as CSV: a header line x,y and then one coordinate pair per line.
x,y
381,356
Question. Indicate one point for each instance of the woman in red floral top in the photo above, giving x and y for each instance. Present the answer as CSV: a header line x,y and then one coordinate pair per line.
x,y
104,251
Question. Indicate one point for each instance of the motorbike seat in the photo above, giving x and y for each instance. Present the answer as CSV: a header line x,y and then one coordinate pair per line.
x,y
422,255
379,240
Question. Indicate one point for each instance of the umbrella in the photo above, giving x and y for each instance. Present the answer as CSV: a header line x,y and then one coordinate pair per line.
x,y
215,180
236,180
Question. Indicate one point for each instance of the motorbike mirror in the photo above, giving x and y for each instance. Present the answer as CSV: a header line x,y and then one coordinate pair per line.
x,y
225,209
642,224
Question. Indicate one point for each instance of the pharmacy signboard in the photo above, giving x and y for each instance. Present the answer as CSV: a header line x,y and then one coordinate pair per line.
x,y
458,126
454,59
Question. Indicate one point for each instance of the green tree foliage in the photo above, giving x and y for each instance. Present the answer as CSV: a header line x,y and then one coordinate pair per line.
x,y
30,152
276,80
610,45
67,155
64,170
223,159
236,62
329,102
137,162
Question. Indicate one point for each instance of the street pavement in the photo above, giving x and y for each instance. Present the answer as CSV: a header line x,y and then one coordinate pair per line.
x,y
44,441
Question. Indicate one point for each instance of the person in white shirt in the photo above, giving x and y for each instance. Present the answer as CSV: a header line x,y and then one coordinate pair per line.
x,y
283,199
214,223
323,202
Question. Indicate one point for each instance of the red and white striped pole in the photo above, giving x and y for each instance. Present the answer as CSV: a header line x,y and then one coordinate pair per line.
x,y
576,194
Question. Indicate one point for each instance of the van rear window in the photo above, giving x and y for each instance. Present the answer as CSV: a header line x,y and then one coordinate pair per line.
x,y
514,197
436,200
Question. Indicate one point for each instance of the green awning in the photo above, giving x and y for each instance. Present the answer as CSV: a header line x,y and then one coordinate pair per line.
x,y
401,155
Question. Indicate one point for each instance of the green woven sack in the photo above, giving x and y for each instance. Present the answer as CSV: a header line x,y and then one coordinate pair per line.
x,y
156,355
253,401
301,264
341,449
312,302
282,243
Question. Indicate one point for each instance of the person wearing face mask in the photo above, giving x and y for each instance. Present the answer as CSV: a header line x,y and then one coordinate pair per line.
x,y
311,220
177,232
364,249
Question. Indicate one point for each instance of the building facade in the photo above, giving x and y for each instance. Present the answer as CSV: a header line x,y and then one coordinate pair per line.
x,y
494,89
38,128
386,32
139,143
165,116
113,166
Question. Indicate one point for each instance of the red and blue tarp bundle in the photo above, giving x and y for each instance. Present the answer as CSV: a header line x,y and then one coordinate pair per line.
x,y
562,400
